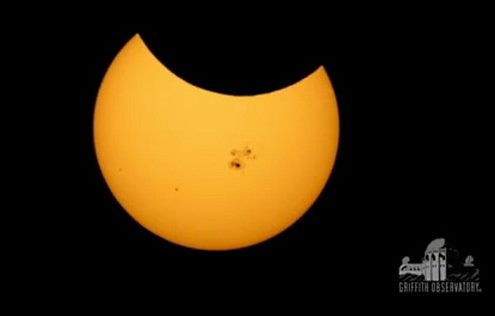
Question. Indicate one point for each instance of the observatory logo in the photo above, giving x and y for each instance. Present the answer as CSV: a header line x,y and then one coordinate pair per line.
x,y
442,270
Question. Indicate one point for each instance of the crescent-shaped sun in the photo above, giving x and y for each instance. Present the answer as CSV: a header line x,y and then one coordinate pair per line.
x,y
207,170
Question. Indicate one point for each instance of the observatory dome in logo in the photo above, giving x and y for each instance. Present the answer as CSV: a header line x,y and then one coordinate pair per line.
x,y
441,269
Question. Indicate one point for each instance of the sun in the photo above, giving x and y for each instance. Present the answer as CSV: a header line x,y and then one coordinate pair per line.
x,y
207,170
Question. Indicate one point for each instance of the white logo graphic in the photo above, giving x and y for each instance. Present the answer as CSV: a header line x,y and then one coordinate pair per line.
x,y
439,271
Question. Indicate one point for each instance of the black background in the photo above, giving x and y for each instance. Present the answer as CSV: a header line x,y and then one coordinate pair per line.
x,y
413,162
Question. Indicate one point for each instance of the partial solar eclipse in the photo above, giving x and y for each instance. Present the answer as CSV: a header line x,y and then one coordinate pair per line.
x,y
207,170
